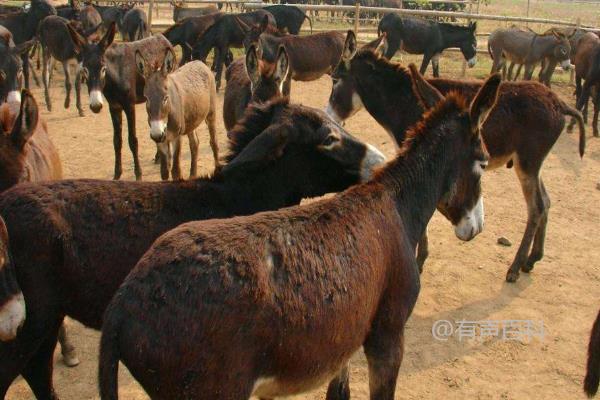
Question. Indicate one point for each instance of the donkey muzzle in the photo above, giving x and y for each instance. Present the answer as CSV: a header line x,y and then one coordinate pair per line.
x,y
372,159
472,61
158,131
565,65
12,317
471,224
96,101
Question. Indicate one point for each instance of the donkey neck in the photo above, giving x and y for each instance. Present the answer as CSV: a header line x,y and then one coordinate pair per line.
x,y
453,36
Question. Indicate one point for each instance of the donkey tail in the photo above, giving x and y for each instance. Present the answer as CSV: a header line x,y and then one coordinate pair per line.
x,y
590,384
568,110
108,367
310,23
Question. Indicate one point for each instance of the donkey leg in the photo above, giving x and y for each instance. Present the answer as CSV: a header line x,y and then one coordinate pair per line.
x,y
117,121
422,251
530,184
176,169
509,74
38,372
66,348
220,61
537,250
287,85
46,79
425,63
193,142
384,356
212,133
133,142
435,63
78,92
596,112
339,387
68,85
162,150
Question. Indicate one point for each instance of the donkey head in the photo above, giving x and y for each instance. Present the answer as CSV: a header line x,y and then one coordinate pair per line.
x,y
11,70
344,101
468,46
299,148
462,203
266,79
252,32
93,64
562,49
156,91
14,135
39,10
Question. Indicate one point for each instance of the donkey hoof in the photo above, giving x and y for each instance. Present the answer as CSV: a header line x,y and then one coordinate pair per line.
x,y
67,104
81,113
70,359
512,276
527,268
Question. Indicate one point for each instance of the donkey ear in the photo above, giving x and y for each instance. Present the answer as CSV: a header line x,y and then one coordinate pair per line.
x,y
108,37
350,46
24,47
426,94
484,101
473,26
252,65
78,40
243,26
169,63
26,121
382,46
2,76
267,146
282,65
141,64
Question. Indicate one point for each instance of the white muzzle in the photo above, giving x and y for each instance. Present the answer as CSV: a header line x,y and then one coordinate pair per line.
x,y
12,317
373,158
471,224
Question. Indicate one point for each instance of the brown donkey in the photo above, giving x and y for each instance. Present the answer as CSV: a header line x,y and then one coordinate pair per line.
x,y
177,103
521,130
592,377
251,82
28,155
89,234
275,304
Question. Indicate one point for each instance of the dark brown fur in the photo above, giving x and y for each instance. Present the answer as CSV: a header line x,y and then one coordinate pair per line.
x,y
185,33
291,295
89,234
521,129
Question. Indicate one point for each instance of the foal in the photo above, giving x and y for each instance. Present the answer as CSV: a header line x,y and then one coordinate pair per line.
x,y
513,134
89,234
275,304
177,103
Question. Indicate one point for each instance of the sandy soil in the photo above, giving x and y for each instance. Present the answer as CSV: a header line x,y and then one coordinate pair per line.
x,y
460,281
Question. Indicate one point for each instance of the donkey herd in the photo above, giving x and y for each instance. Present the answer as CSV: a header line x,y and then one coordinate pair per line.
x,y
223,286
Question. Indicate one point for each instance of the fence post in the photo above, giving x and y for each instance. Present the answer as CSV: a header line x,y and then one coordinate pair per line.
x,y
356,17
528,5
464,63
150,13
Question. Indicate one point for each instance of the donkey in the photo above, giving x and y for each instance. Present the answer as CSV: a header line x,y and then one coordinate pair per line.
x,y
11,68
298,291
186,32
181,12
310,57
528,48
177,103
23,26
111,71
430,38
135,25
89,17
289,18
587,67
28,155
513,135
251,82
592,377
57,44
228,31
112,14
89,234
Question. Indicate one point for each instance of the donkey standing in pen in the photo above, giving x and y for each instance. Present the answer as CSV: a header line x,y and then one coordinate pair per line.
x,y
177,103
28,155
298,291
252,82
23,26
11,66
310,56
89,234
430,38
134,25
110,69
514,135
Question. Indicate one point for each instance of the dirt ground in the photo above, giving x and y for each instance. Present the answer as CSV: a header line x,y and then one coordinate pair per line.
x,y
461,281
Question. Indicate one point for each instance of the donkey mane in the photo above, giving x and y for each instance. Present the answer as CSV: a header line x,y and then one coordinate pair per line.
x,y
380,62
453,27
257,118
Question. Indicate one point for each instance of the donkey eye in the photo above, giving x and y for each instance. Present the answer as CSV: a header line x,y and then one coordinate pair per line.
x,y
330,140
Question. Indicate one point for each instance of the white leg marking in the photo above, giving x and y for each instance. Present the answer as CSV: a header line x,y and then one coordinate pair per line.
x,y
12,316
